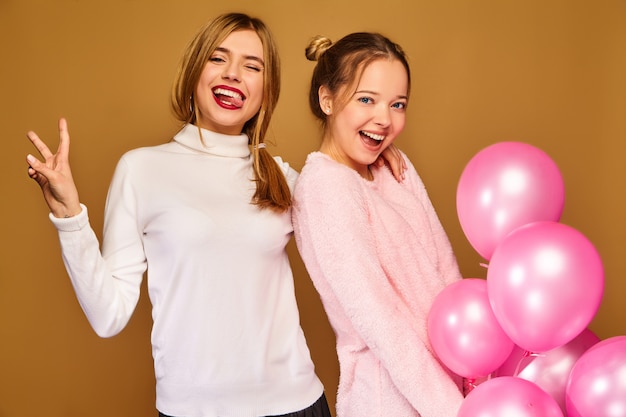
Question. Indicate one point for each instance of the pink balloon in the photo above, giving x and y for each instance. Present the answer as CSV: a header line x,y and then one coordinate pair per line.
x,y
509,396
503,187
463,331
545,283
549,370
597,383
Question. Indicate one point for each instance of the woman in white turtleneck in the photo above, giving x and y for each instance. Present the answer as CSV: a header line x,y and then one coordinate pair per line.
x,y
209,220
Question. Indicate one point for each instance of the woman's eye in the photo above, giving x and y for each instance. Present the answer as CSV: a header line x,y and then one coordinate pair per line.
x,y
216,59
253,68
399,105
365,100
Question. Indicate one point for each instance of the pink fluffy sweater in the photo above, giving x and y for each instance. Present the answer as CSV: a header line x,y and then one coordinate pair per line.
x,y
378,256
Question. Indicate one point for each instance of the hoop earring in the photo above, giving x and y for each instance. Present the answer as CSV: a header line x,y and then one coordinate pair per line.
x,y
191,106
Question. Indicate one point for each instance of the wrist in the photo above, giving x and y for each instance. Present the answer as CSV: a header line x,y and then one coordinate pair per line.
x,y
67,212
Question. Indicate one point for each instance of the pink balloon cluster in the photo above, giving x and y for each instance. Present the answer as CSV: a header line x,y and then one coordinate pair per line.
x,y
544,284
586,377
509,396
545,280
550,370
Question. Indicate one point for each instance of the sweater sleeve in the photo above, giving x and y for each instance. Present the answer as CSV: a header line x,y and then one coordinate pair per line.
x,y
291,175
448,266
336,243
107,286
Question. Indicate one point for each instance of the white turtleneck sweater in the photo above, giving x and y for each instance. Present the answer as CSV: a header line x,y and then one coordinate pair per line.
x,y
226,338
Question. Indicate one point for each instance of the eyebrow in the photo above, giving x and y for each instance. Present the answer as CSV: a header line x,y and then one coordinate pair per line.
x,y
250,57
374,93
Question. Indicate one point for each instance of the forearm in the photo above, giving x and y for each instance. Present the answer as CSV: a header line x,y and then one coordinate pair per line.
x,y
108,302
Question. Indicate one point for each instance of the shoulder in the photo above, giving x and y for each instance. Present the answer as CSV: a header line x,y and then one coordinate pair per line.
x,y
330,192
322,176
323,167
141,162
147,154
145,151
291,175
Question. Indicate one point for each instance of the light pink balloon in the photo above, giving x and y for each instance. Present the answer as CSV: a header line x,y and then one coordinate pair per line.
x,y
549,370
503,187
597,383
545,283
463,331
509,396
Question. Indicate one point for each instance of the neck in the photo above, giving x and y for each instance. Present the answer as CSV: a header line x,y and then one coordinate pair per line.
x,y
329,150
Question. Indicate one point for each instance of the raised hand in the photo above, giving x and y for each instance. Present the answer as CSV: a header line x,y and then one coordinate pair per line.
x,y
54,175
392,157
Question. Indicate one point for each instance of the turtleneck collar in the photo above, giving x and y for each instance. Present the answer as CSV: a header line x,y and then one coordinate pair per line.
x,y
234,146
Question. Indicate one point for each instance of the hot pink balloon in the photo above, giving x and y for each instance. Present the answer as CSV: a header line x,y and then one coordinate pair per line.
x,y
503,187
509,396
549,370
545,283
464,332
597,384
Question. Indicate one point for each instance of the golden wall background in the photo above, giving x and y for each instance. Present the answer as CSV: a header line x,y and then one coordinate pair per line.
x,y
550,73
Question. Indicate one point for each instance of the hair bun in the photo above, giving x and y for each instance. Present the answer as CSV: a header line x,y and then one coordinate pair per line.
x,y
317,47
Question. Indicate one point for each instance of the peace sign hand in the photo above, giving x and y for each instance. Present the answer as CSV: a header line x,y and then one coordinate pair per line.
x,y
54,175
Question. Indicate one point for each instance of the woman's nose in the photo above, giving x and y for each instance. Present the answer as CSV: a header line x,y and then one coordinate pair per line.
x,y
231,72
382,116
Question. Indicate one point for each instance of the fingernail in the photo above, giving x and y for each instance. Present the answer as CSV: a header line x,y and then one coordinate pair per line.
x,y
30,158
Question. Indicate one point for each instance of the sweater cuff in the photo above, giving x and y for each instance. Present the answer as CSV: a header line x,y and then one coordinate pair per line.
x,y
71,224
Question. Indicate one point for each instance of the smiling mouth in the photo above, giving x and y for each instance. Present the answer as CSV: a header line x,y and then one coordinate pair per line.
x,y
228,98
371,139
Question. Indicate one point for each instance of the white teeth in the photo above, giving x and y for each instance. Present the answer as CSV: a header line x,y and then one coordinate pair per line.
x,y
373,136
228,93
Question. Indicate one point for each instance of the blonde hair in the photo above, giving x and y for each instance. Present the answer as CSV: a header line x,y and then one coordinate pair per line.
x,y
272,190
340,65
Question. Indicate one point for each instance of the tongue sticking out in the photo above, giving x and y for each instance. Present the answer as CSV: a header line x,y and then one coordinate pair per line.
x,y
231,101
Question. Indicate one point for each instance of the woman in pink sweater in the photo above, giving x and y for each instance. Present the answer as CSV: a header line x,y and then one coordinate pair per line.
x,y
373,246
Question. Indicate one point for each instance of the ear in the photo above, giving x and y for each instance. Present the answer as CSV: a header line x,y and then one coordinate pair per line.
x,y
326,100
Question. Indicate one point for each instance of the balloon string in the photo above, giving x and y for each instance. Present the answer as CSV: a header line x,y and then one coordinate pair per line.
x,y
470,384
526,354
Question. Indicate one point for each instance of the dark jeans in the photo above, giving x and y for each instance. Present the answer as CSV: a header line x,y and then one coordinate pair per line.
x,y
318,409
